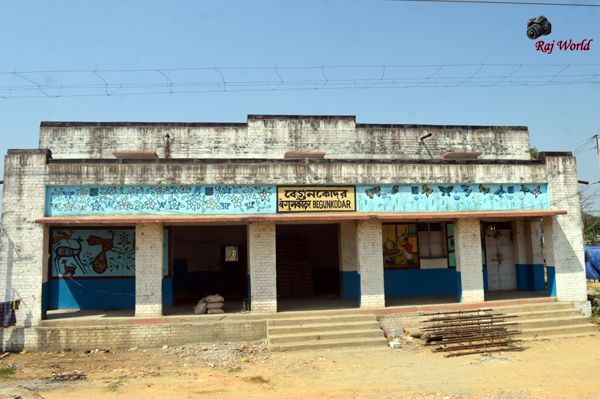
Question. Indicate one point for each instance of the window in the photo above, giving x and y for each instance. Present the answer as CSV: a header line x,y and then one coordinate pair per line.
x,y
431,240
413,245
451,248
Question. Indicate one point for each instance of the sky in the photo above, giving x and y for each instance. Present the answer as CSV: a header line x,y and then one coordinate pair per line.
x,y
75,35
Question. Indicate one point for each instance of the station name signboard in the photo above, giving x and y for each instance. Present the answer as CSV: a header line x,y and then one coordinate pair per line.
x,y
316,199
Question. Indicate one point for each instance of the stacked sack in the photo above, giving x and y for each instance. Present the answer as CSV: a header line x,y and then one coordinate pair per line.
x,y
212,304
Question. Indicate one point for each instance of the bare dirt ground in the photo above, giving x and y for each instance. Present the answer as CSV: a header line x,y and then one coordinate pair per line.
x,y
560,368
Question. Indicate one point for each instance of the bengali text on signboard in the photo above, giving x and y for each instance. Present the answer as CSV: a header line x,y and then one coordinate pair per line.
x,y
316,199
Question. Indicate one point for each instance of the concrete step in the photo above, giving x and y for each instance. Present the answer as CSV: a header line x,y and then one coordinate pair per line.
x,y
318,320
545,314
581,329
555,322
322,327
534,307
561,336
324,336
350,343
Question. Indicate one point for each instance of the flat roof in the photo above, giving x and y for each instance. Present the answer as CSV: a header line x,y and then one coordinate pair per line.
x,y
255,117
290,217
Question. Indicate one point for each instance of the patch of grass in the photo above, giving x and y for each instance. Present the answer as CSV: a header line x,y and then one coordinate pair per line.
x,y
7,372
258,379
114,386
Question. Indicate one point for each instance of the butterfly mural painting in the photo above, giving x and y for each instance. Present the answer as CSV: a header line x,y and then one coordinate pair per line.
x,y
467,190
395,190
500,191
371,192
426,190
483,189
525,189
446,190
537,191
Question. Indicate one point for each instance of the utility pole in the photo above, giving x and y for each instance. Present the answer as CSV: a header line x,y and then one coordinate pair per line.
x,y
598,146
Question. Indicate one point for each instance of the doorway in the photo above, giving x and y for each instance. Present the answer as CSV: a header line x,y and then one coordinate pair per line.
x,y
307,263
209,260
501,270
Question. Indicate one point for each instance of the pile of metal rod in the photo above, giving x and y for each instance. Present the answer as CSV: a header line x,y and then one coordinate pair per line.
x,y
469,332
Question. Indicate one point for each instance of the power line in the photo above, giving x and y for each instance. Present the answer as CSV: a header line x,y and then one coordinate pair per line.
x,y
186,80
502,2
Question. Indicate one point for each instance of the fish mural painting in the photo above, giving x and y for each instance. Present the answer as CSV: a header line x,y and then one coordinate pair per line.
x,y
85,253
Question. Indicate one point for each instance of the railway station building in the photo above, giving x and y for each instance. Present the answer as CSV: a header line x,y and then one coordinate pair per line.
x,y
285,213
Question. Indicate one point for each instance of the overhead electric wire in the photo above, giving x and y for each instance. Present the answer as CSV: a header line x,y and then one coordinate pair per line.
x,y
502,3
155,81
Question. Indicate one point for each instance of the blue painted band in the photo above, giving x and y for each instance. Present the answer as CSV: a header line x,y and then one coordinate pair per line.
x,y
349,285
551,280
99,294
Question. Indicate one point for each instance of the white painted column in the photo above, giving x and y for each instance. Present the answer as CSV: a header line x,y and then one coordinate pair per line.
x,y
521,242
148,269
537,254
564,233
370,263
467,241
564,252
262,263
23,242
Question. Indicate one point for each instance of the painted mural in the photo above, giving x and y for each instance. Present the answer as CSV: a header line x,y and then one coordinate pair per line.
x,y
159,199
85,253
451,197
262,199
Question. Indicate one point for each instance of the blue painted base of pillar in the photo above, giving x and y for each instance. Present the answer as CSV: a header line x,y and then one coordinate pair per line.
x,y
551,280
485,279
44,300
459,286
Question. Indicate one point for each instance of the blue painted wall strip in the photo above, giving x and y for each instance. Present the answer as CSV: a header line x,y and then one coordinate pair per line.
x,y
551,280
99,294
530,277
485,279
420,282
349,285
459,286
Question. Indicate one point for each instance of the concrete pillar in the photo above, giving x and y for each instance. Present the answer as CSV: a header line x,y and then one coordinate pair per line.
x,y
349,277
564,233
45,270
23,242
148,269
262,263
564,258
537,255
370,263
467,241
521,242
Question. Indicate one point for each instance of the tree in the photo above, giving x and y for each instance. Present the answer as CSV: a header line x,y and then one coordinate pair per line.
x,y
591,223
535,153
